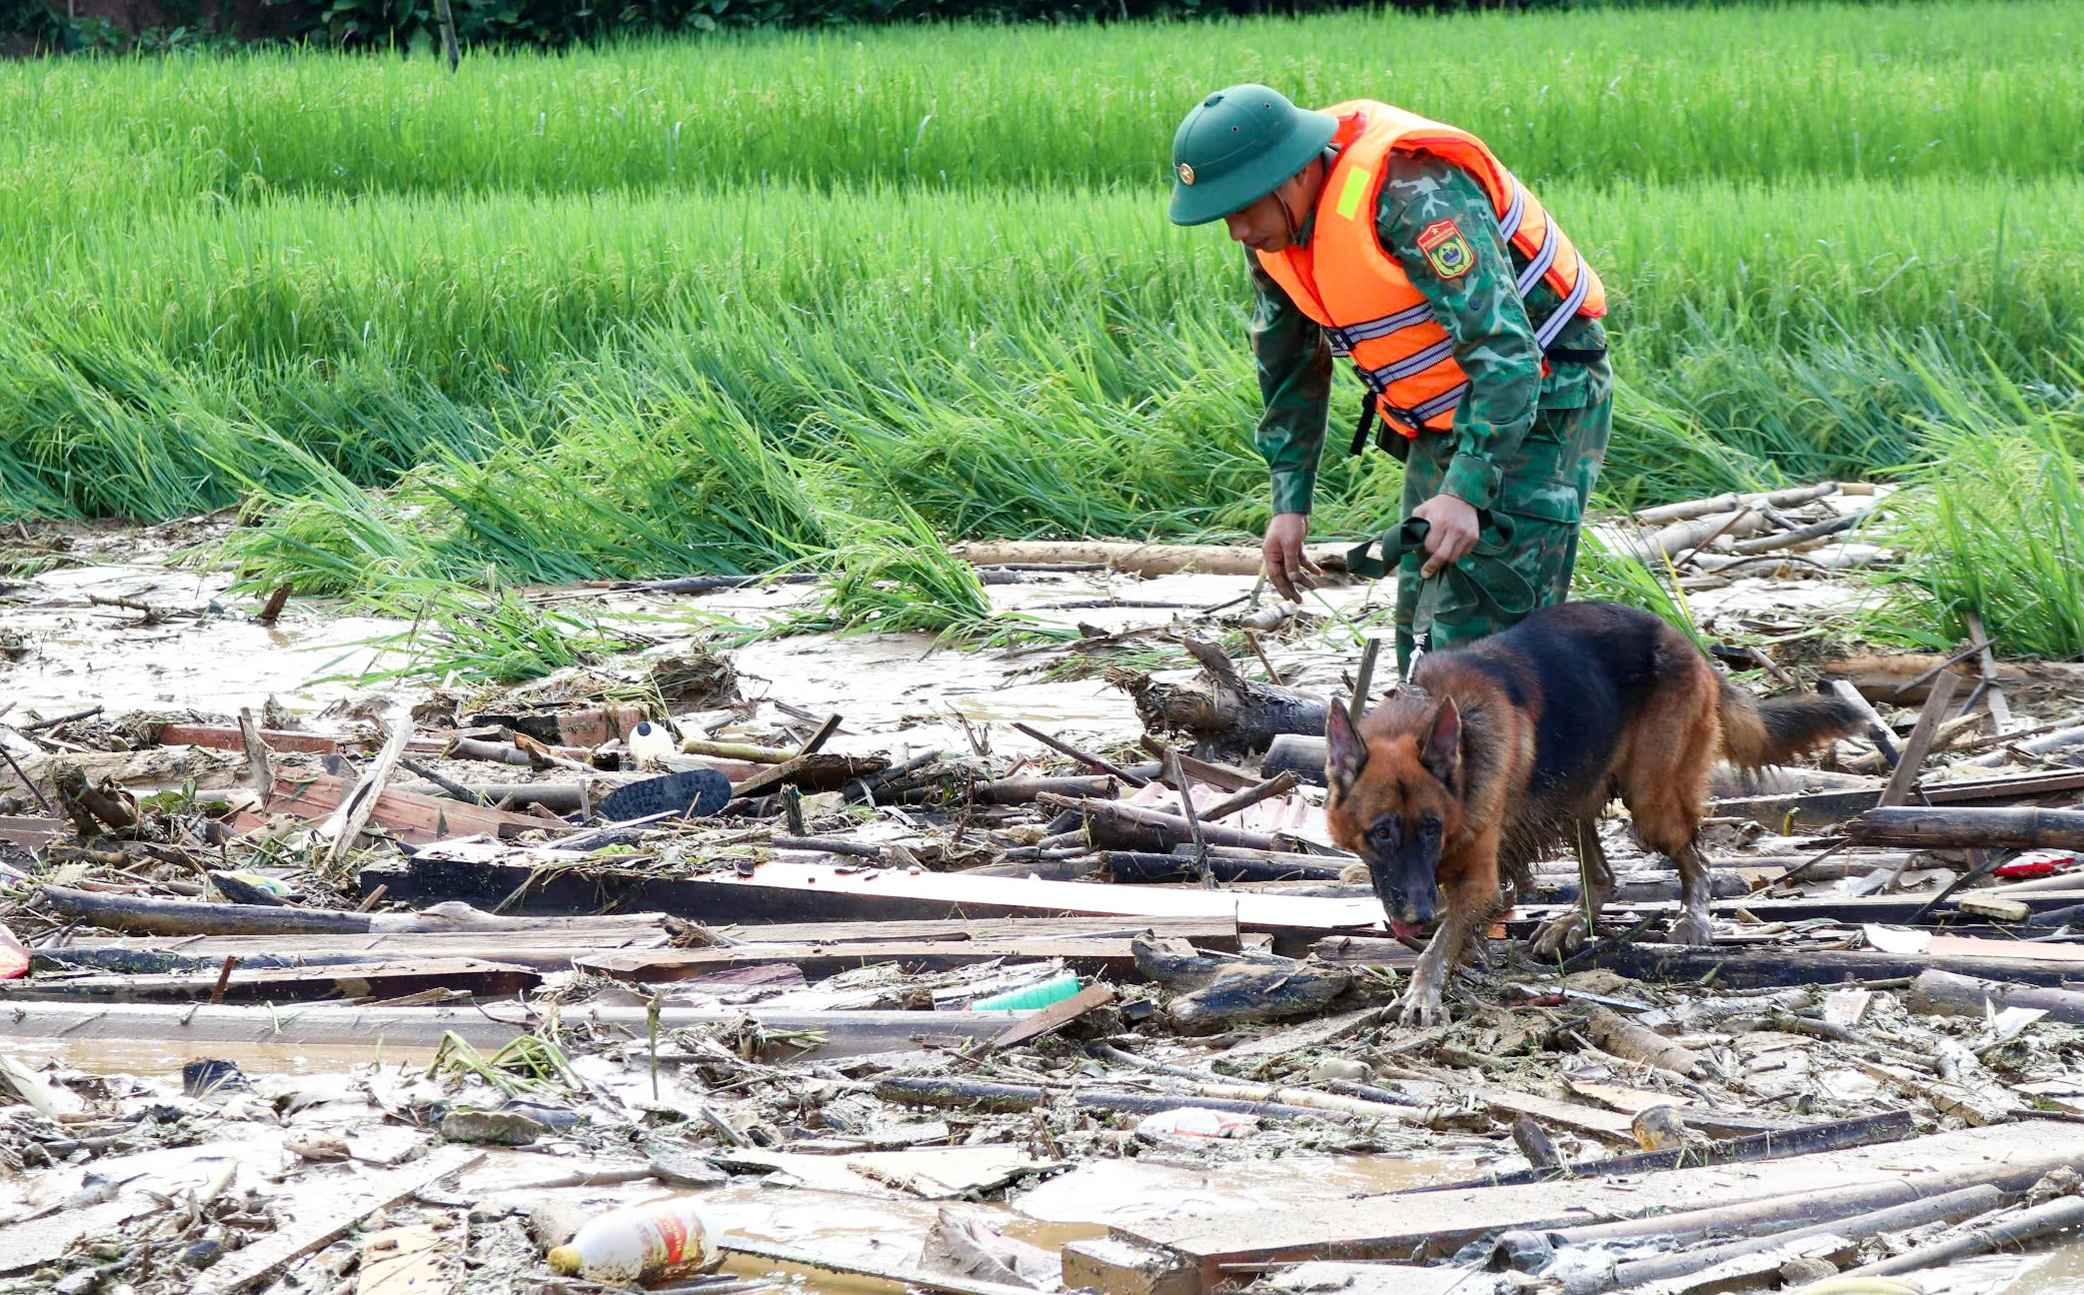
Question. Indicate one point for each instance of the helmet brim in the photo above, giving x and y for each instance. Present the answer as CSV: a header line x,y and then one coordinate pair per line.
x,y
1207,200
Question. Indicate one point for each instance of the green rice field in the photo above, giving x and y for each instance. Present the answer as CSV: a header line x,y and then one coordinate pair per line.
x,y
719,305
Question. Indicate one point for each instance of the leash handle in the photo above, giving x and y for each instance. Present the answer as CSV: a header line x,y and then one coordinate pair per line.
x,y
1409,536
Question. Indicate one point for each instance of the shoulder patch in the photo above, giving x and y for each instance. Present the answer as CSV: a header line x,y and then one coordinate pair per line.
x,y
1446,250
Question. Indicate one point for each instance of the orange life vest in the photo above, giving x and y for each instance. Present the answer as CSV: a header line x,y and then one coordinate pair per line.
x,y
1361,295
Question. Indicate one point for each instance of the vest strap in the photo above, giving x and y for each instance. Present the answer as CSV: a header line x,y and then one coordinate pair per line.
x,y
1565,310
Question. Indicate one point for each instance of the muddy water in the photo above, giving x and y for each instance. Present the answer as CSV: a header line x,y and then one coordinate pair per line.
x,y
2050,1271
83,655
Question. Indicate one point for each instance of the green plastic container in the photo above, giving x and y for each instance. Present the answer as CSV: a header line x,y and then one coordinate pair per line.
x,y
1034,996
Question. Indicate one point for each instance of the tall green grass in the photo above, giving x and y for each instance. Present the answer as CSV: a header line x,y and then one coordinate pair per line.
x,y
1861,90
1995,527
677,307
1011,344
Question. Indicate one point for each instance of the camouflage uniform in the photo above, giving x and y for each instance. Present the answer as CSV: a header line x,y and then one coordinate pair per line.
x,y
1525,445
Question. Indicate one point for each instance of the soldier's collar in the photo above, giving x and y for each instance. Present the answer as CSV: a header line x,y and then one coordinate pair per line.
x,y
1309,224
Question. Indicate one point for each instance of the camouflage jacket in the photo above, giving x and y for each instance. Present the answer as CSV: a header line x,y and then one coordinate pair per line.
x,y
1492,332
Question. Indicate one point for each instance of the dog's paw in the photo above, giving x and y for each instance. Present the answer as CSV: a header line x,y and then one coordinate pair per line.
x,y
1420,1007
1355,874
1693,928
1559,936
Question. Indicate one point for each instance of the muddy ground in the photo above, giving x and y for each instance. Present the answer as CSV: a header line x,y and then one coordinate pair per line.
x,y
780,1138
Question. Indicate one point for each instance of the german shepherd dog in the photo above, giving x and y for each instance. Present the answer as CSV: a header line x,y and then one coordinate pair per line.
x,y
1491,753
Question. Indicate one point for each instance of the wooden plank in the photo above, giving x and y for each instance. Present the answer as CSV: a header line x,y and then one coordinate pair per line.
x,y
1218,932
255,953
485,1026
49,1100
1919,744
926,1173
1090,957
311,1219
554,949
417,1260
416,819
1408,1225
799,892
221,738
1606,1126
1968,948
1820,809
940,1283
1775,966
29,833
282,985
36,1242
1055,1016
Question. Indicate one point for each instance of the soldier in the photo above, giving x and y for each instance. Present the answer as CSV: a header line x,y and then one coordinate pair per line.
x,y
1407,246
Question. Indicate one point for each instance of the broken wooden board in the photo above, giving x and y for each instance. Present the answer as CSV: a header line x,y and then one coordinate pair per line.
x,y
1713,1123
415,819
421,1259
220,737
1055,1016
312,1216
648,966
1824,808
551,944
908,1278
486,1027
924,1173
33,835
1195,1253
282,985
804,892
1772,965
1587,1121
61,1105
36,1242
196,953
1285,1040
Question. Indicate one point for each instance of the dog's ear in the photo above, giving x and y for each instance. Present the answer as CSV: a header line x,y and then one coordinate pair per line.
x,y
1345,755
1442,756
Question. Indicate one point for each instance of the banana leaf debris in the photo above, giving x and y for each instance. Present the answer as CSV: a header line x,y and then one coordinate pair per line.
x,y
393,997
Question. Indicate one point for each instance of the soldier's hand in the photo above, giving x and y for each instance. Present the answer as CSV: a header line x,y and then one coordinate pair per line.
x,y
1451,534
1286,563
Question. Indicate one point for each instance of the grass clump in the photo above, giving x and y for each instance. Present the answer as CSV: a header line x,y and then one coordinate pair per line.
x,y
1994,524
899,578
1618,573
488,637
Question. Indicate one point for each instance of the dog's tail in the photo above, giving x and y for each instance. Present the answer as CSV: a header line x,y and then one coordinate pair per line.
x,y
1757,733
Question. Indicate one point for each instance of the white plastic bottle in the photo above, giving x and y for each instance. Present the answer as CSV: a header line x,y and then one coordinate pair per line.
x,y
665,1238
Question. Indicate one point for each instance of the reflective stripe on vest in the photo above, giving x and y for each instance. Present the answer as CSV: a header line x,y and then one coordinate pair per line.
x,y
1367,305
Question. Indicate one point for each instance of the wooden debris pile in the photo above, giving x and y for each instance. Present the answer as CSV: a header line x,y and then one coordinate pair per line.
x,y
680,939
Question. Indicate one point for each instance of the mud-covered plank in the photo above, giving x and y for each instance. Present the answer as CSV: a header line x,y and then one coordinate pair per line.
x,y
815,960
1405,1225
799,892
282,984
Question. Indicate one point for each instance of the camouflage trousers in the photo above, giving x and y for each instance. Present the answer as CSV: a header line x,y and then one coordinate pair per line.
x,y
1537,513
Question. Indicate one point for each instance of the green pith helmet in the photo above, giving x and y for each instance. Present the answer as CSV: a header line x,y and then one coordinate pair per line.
x,y
1237,146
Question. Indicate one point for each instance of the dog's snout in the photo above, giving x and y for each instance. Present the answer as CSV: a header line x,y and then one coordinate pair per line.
x,y
1418,908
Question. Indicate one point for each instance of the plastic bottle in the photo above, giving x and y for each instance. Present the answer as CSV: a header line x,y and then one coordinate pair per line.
x,y
650,740
1030,997
665,1238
